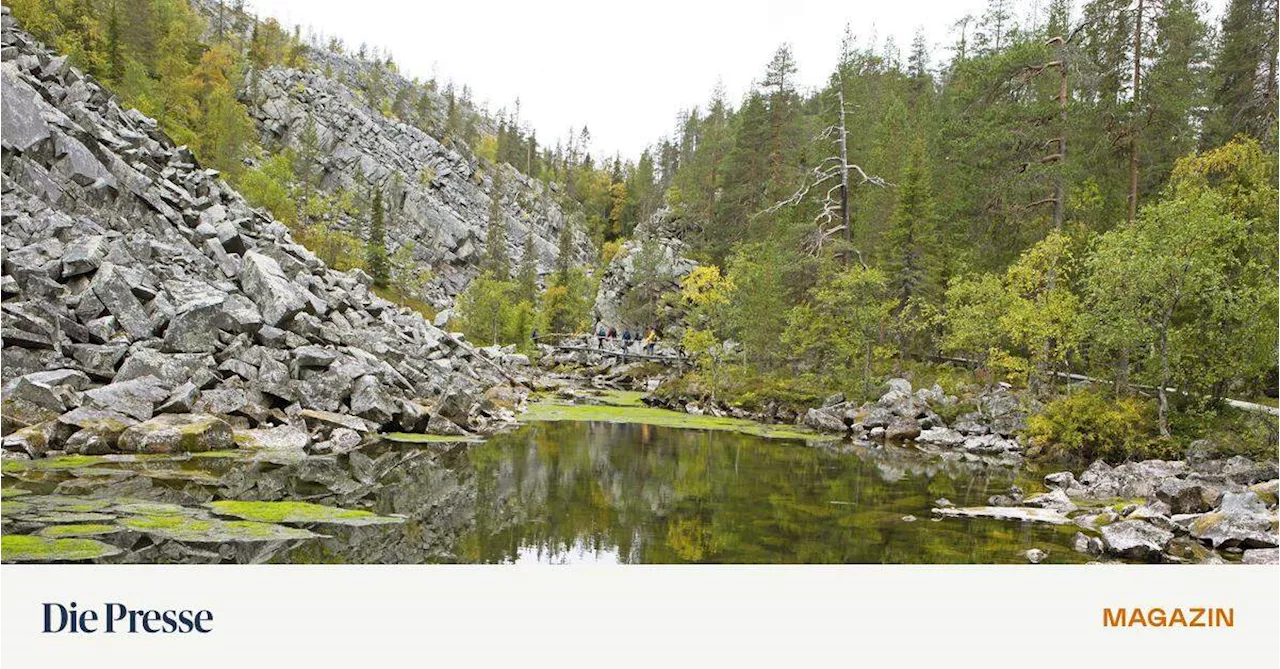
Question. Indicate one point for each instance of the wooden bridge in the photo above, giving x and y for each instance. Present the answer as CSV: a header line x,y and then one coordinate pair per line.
x,y
612,348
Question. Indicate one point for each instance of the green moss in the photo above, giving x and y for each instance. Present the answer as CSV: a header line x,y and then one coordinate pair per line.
x,y
555,411
61,517
6,493
67,504
62,462
143,508
297,512
79,530
201,530
31,548
619,398
414,438
10,507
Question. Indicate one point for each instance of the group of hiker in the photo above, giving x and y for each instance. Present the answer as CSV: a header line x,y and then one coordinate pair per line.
x,y
649,341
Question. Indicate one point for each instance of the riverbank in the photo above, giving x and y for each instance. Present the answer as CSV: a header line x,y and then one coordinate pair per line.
x,y
1201,505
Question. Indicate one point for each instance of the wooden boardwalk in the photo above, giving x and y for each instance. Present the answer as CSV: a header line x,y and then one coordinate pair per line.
x,y
625,356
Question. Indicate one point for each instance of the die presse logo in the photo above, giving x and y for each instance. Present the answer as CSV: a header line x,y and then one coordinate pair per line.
x,y
116,618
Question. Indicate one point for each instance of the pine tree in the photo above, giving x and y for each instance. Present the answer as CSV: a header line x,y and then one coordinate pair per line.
x,y
306,161
527,275
496,261
375,251
1244,73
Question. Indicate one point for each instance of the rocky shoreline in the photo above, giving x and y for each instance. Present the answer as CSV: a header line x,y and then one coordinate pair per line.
x,y
1203,508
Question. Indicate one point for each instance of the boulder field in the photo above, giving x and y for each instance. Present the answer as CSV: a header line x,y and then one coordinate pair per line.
x,y
148,308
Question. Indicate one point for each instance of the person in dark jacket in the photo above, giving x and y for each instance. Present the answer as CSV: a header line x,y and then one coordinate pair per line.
x,y
626,341
601,333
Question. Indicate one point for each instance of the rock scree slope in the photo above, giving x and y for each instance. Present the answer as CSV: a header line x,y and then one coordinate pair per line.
x,y
136,284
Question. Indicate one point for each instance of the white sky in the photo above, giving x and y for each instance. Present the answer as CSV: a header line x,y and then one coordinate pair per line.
x,y
624,69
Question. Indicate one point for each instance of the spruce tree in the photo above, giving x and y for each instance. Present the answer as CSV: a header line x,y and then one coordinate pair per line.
x,y
375,250
527,275
496,261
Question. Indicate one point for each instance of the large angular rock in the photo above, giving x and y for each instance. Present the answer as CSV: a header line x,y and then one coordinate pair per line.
x,y
1135,540
825,420
277,298
84,256
136,398
178,433
23,126
1184,496
113,289
1242,521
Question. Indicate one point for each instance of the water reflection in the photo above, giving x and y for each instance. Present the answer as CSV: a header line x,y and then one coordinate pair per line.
x,y
600,492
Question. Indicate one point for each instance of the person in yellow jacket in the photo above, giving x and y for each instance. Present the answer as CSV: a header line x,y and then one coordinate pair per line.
x,y
650,341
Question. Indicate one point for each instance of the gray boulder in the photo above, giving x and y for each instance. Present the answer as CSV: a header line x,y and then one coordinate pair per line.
x,y
178,433
278,299
1135,540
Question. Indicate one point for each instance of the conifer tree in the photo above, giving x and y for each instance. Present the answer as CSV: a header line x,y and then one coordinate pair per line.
x,y
375,251
496,260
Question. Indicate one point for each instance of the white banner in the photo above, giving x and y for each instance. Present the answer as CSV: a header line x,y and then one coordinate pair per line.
x,y
329,616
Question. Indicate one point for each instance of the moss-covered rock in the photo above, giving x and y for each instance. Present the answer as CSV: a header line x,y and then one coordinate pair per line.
x,y
79,530
178,433
208,530
32,548
298,512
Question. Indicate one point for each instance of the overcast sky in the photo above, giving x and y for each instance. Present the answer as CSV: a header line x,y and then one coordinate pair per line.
x,y
624,69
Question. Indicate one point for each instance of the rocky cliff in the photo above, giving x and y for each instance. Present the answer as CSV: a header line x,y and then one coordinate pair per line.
x,y
442,208
146,306
651,264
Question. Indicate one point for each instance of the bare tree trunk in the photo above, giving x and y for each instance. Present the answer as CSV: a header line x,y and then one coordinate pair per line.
x,y
1059,188
1271,79
844,175
1161,392
1133,123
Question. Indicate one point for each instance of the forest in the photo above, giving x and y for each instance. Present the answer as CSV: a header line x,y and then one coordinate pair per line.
x,y
1063,189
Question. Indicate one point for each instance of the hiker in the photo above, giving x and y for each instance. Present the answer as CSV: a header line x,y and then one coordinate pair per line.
x,y
601,333
626,341
651,341
534,336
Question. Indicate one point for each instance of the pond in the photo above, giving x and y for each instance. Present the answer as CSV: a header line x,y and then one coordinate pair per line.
x,y
549,492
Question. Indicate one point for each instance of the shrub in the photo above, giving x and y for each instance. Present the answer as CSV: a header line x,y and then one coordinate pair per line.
x,y
1088,425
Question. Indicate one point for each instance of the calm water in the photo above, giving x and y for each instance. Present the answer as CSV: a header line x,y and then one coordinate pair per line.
x,y
566,492
610,493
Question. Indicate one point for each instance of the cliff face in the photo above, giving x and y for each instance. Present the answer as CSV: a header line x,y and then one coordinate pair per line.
x,y
136,283
442,207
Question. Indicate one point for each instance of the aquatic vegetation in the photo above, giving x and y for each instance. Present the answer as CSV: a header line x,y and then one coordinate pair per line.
x,y
297,512
613,413
31,548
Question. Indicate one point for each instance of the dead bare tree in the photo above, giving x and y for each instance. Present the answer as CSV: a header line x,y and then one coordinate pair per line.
x,y
836,174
